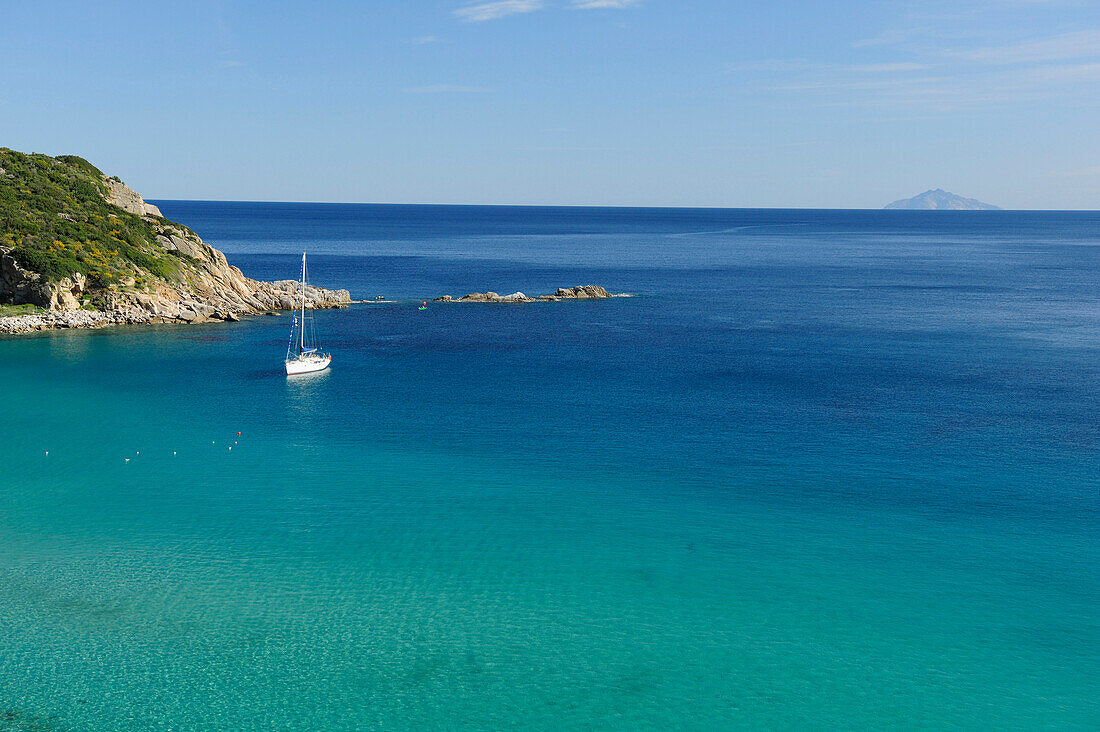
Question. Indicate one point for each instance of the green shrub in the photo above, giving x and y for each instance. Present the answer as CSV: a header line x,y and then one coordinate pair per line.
x,y
55,218
75,161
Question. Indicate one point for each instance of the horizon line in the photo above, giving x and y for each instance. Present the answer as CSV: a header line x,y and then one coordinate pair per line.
x,y
620,206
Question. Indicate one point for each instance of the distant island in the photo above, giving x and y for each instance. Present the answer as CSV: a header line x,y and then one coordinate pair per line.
x,y
940,200
81,250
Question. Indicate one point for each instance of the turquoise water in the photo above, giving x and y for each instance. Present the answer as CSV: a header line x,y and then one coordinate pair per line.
x,y
832,469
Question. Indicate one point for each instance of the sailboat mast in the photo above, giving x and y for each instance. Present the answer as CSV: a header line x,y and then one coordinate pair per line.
x,y
302,342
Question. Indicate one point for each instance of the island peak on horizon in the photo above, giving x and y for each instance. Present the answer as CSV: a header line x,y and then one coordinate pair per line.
x,y
939,199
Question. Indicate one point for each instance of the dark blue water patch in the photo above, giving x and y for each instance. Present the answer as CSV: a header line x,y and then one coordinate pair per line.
x,y
280,223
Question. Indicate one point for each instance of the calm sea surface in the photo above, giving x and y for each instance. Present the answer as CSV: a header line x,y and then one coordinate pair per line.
x,y
836,469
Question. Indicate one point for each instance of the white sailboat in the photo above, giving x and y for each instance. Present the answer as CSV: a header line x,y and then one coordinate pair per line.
x,y
302,357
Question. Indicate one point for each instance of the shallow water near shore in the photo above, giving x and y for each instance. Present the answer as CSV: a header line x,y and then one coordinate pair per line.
x,y
831,469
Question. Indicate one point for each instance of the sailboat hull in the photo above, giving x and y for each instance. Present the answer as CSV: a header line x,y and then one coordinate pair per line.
x,y
307,364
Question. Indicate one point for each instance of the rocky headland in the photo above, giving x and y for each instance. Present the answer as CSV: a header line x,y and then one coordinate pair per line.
x,y
581,292
84,251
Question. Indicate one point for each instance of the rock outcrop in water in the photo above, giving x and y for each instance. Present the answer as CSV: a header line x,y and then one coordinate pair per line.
x,y
89,251
582,292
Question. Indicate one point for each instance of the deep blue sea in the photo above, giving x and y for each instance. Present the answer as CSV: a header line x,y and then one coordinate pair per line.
x,y
825,469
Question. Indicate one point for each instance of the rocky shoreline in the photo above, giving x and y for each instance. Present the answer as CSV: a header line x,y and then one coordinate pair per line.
x,y
223,302
266,298
183,313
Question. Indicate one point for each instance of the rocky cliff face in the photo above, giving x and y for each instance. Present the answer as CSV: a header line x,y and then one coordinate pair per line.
x,y
201,284
19,285
121,195
213,287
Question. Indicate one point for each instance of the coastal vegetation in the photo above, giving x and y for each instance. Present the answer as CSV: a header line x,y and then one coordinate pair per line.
x,y
8,311
56,220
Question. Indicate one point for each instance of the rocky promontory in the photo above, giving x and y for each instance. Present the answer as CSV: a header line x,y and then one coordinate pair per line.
x,y
581,292
88,252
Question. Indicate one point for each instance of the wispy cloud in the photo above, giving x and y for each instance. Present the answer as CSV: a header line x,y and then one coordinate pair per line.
x,y
567,148
591,4
891,37
1080,44
801,64
424,40
480,12
492,9
1093,172
1059,74
772,64
887,67
447,89
935,66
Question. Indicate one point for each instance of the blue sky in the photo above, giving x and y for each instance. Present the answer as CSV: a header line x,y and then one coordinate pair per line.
x,y
589,102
